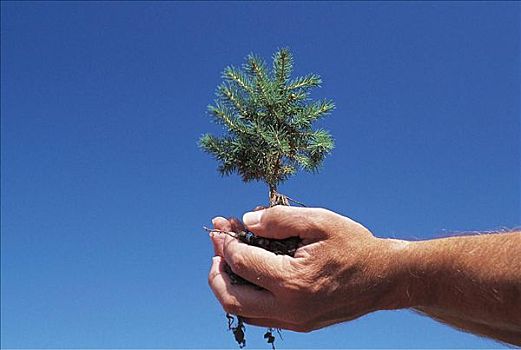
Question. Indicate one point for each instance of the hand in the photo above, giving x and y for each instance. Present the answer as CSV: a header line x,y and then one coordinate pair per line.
x,y
340,272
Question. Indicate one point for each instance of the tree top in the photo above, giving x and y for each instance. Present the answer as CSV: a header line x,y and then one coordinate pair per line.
x,y
268,121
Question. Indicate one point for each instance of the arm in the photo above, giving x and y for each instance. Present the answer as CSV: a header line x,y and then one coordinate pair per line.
x,y
343,272
470,282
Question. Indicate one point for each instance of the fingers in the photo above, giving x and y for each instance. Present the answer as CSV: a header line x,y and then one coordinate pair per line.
x,y
222,224
281,222
257,265
219,223
241,300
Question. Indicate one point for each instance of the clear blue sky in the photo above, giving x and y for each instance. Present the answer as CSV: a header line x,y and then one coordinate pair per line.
x,y
104,192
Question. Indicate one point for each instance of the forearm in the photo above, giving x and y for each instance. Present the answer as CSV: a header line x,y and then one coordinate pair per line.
x,y
470,282
504,335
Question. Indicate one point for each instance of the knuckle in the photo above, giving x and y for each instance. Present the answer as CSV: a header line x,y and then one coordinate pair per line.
x,y
230,305
213,274
275,210
272,215
238,263
298,286
211,277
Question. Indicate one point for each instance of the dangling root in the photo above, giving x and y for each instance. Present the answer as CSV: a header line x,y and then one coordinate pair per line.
x,y
270,339
238,330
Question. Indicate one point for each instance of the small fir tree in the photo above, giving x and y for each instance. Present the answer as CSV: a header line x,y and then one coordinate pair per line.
x,y
268,119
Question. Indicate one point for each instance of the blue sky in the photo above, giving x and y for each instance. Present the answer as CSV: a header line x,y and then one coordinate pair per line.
x,y
104,192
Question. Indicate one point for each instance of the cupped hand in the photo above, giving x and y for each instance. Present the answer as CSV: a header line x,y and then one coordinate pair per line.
x,y
340,272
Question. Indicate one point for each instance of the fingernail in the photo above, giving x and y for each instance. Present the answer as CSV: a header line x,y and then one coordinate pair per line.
x,y
252,218
217,218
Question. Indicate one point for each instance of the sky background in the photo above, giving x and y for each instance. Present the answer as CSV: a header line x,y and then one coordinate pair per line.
x,y
104,191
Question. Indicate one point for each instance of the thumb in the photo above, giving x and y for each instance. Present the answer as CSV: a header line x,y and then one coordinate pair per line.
x,y
281,222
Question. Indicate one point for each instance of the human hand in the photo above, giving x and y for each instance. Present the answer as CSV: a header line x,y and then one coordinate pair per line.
x,y
340,272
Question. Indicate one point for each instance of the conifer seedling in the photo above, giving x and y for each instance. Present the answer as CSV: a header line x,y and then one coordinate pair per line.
x,y
268,122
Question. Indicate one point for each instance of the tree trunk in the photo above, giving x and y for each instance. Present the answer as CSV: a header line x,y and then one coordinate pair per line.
x,y
277,198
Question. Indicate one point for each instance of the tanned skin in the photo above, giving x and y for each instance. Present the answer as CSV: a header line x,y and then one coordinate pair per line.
x,y
342,272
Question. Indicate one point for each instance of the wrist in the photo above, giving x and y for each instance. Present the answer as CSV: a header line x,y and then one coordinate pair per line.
x,y
421,273
405,267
